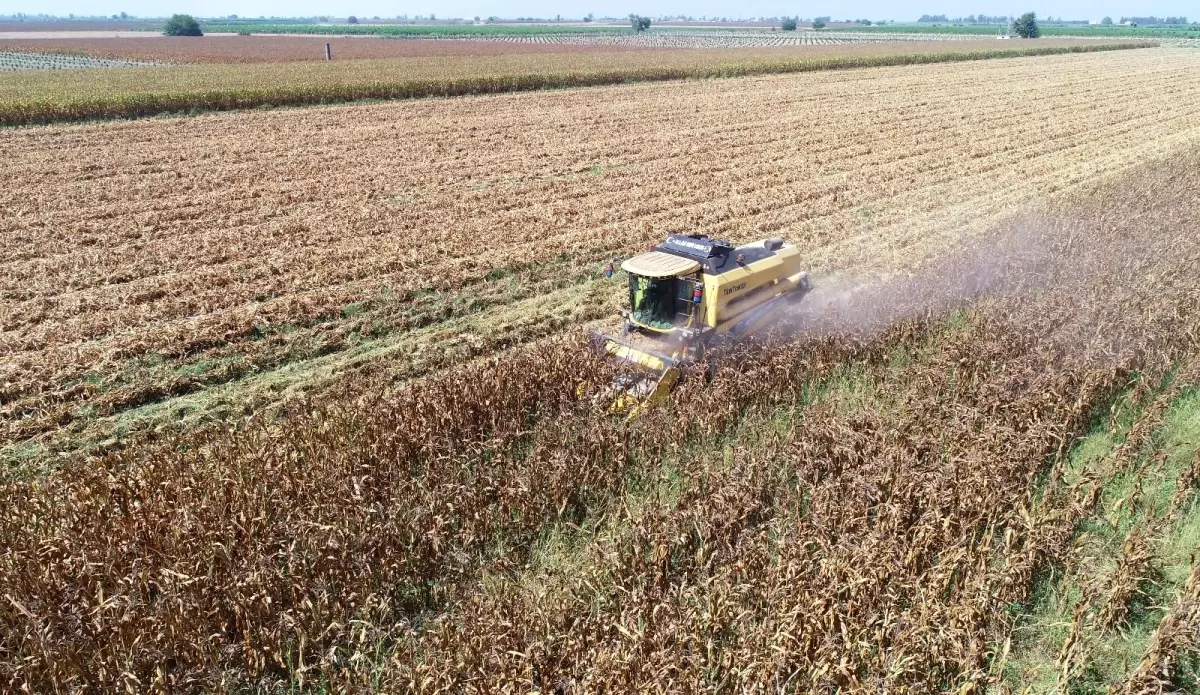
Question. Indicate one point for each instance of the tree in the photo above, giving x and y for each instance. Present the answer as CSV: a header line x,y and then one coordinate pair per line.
x,y
818,24
788,24
1107,21
588,18
352,20
1026,26
182,25
639,24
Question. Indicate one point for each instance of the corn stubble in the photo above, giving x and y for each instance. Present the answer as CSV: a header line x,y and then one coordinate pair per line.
x,y
160,260
841,509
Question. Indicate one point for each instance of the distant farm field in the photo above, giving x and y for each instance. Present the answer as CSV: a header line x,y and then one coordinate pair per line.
x,y
280,49
290,47
1047,28
76,95
22,59
179,269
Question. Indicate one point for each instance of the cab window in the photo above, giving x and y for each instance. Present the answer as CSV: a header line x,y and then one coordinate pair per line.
x,y
652,301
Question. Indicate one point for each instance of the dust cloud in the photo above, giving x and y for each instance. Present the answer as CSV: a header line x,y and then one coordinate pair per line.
x,y
1109,275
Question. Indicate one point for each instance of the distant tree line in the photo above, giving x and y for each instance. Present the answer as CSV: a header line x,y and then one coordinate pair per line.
x,y
969,19
1154,20
987,19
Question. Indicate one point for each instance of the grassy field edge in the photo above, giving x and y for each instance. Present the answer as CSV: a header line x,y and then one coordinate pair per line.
x,y
68,109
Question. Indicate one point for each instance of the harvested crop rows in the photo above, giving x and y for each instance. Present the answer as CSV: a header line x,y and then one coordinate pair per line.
x,y
835,512
13,60
147,282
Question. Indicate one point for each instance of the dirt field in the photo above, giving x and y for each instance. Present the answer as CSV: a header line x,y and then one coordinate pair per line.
x,y
273,49
176,269
281,49
99,25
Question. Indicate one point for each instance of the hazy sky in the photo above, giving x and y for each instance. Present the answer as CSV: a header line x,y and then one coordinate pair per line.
x,y
871,9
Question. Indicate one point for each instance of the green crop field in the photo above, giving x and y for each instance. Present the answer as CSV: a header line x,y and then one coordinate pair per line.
x,y
1048,29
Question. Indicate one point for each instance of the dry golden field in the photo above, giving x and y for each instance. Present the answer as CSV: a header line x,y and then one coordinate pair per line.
x,y
49,96
996,493
175,268
969,463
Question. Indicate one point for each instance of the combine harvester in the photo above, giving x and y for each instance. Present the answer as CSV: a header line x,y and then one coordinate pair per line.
x,y
689,295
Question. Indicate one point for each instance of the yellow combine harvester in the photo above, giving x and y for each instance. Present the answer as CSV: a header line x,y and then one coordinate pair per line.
x,y
690,294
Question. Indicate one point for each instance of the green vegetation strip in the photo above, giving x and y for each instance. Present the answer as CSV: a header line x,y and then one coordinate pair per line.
x,y
1049,30
1145,517
77,96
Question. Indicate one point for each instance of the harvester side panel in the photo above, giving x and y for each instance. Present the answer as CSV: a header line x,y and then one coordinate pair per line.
x,y
737,291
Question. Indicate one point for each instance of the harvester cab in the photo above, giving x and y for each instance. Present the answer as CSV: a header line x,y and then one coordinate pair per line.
x,y
689,294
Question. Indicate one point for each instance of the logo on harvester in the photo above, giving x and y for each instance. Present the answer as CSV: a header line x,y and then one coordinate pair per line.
x,y
693,245
733,288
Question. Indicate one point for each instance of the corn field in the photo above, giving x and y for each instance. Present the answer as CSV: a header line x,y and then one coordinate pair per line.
x,y
75,96
301,400
849,511
180,270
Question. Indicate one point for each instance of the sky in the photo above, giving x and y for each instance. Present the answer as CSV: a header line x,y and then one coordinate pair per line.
x,y
870,9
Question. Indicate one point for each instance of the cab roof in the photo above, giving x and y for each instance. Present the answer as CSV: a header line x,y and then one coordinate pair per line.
x,y
656,264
